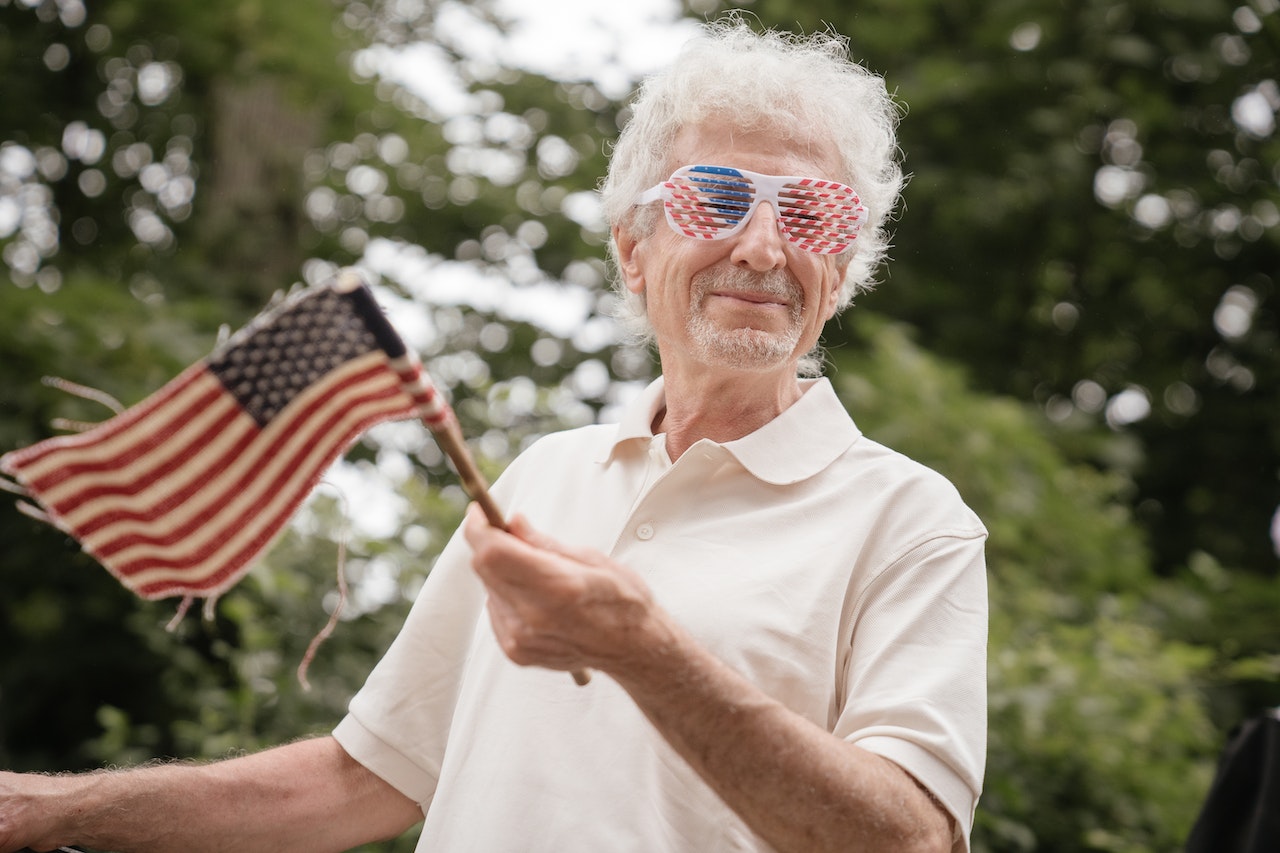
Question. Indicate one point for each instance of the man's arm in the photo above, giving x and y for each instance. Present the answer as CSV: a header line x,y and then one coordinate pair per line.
x,y
305,796
798,786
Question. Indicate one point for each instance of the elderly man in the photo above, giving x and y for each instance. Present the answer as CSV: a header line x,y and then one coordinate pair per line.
x,y
787,621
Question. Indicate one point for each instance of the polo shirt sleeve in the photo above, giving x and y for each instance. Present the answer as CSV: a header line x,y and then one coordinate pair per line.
x,y
398,722
914,673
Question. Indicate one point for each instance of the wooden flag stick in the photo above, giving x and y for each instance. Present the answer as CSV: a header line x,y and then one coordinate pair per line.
x,y
435,412
449,436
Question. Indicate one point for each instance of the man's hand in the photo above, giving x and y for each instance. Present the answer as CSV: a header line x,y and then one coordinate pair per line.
x,y
561,607
797,785
22,822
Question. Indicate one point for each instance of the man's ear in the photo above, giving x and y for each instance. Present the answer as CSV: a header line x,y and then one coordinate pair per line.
x,y
833,298
629,254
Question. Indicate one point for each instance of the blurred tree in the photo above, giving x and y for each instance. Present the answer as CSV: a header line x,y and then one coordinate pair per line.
x,y
104,139
163,171
165,168
1100,738
1092,224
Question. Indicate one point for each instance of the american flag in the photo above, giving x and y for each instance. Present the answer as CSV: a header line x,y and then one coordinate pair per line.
x,y
179,494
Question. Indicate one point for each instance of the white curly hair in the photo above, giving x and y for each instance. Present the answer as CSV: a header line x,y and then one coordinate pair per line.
x,y
805,86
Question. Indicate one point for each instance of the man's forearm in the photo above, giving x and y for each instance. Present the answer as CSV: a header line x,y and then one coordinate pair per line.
x,y
306,796
798,786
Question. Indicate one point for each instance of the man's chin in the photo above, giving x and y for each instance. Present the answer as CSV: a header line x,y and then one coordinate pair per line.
x,y
746,348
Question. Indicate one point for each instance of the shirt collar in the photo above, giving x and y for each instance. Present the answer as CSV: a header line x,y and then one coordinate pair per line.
x,y
807,437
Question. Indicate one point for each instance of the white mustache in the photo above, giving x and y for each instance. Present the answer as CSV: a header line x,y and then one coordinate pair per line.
x,y
740,280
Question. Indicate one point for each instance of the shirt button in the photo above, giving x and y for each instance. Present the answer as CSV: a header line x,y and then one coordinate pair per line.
x,y
645,531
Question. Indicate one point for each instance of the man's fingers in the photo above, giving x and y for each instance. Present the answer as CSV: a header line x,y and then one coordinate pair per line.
x,y
520,527
479,533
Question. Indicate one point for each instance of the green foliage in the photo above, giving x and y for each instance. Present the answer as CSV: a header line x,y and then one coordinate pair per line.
x,y
1100,737
1022,301
1084,202
1012,471
1245,674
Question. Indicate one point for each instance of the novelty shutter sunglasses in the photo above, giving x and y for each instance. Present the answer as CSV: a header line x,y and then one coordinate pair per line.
x,y
715,202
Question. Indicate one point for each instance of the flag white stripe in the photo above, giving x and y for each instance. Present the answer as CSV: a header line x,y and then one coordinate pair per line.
x,y
293,430
223,549
108,441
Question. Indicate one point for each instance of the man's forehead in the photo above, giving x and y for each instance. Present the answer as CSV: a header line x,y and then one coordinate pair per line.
x,y
792,150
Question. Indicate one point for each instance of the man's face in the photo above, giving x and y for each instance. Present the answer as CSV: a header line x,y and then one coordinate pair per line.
x,y
753,301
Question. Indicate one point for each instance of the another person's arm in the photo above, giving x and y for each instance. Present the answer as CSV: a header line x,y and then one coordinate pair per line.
x,y
305,796
798,786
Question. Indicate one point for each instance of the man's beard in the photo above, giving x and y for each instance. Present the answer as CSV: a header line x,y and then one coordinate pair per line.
x,y
742,348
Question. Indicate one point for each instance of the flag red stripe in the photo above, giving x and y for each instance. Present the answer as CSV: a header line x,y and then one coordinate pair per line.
x,y
202,571
228,468
100,481
178,494
30,456
227,569
245,483
251,480
131,500
431,406
119,512
105,447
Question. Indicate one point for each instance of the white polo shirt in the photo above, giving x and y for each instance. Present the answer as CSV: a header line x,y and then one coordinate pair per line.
x,y
842,578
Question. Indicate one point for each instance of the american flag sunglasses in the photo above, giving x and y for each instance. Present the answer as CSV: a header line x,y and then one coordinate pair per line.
x,y
716,202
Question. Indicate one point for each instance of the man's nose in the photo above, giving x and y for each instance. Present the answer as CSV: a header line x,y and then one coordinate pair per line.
x,y
760,243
